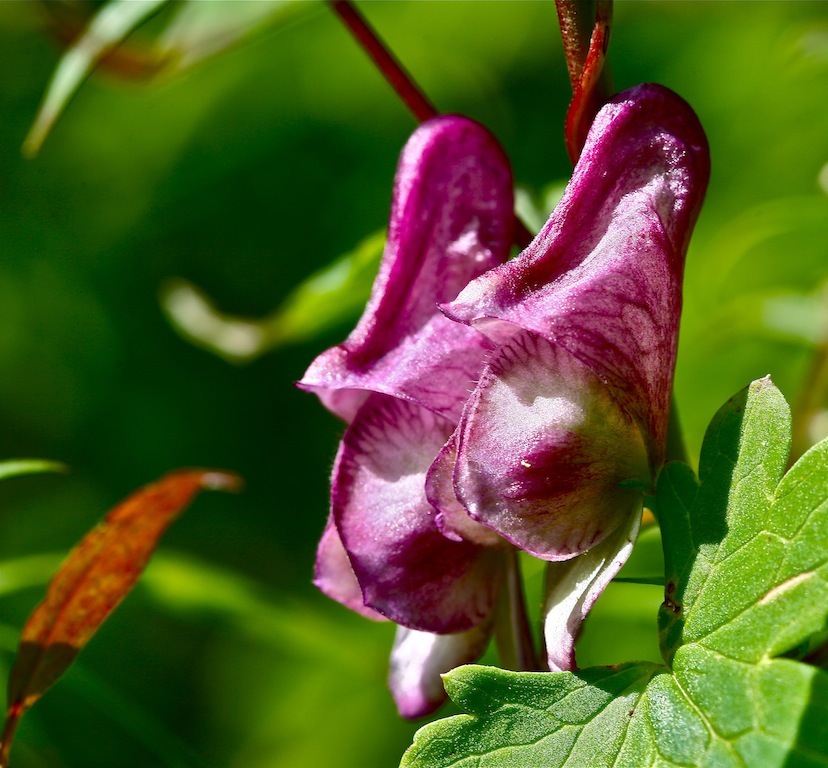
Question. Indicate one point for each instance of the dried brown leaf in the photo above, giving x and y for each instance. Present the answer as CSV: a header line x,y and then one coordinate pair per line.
x,y
95,577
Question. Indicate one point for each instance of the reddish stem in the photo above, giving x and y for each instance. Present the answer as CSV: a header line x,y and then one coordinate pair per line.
x,y
591,91
576,19
585,28
402,83
393,71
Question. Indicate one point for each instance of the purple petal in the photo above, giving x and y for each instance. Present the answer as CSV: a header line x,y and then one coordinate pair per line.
x,y
408,571
334,576
419,658
603,278
575,585
547,458
452,519
451,220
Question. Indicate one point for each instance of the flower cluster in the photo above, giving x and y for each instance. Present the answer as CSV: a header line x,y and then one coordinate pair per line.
x,y
495,404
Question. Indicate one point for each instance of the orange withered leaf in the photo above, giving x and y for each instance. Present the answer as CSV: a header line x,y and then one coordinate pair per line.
x,y
95,577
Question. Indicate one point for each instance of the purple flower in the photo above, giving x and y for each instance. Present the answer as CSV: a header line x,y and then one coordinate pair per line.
x,y
568,422
532,410
400,380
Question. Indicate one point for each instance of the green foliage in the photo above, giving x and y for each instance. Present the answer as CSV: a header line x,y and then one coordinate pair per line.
x,y
320,303
114,22
196,30
746,557
15,467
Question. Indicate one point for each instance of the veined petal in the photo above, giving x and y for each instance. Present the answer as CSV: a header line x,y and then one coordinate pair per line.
x,y
407,569
452,519
451,220
419,658
575,585
547,457
334,576
603,278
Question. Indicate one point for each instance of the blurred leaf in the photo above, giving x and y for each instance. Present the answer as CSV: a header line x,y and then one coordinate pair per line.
x,y
201,29
801,317
15,467
534,209
746,556
748,249
191,588
109,26
25,572
95,577
153,734
326,299
622,625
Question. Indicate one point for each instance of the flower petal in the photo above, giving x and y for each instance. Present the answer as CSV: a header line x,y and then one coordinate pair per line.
x,y
575,585
603,277
334,576
452,519
547,458
451,220
407,569
419,658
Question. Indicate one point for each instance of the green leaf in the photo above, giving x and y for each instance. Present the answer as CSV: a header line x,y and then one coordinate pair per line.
x,y
196,30
109,26
323,301
746,561
15,467
202,29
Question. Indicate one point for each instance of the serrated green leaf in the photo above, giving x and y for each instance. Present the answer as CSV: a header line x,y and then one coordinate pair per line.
x,y
533,718
324,300
755,563
746,561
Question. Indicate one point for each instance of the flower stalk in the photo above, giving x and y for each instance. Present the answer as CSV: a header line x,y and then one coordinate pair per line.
x,y
676,448
512,632
401,81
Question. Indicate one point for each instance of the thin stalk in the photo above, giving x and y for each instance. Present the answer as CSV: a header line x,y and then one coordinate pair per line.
x,y
676,449
512,633
401,81
813,394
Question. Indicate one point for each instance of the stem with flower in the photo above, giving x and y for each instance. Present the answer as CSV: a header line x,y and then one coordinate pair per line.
x,y
570,349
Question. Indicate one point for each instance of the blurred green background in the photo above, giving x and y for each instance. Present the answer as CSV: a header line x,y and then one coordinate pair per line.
x,y
246,174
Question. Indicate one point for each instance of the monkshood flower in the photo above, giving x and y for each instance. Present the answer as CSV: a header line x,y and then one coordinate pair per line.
x,y
532,413
401,380
567,425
